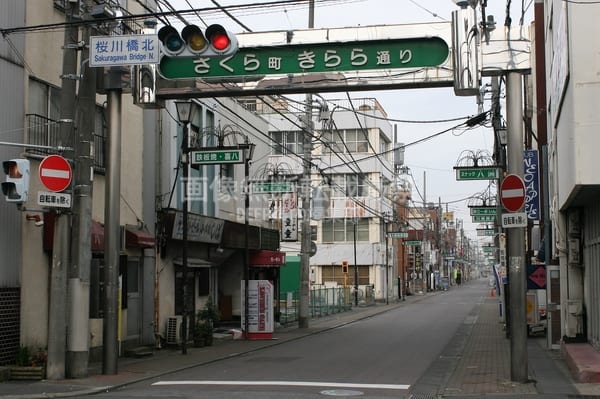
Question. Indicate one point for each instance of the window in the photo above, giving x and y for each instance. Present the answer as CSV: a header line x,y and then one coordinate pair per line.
x,y
342,230
334,273
346,141
203,281
348,185
100,134
383,148
287,142
44,100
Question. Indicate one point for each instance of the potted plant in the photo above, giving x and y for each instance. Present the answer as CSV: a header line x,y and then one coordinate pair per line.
x,y
205,324
29,365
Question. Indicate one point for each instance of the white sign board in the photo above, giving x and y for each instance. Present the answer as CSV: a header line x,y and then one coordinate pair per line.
x,y
514,219
53,200
261,320
107,51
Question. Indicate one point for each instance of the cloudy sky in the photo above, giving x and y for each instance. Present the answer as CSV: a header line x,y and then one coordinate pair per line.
x,y
431,162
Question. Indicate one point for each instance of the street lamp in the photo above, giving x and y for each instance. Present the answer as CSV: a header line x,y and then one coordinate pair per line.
x,y
248,153
185,114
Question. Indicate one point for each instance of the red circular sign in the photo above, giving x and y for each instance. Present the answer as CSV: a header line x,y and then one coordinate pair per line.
x,y
55,173
512,193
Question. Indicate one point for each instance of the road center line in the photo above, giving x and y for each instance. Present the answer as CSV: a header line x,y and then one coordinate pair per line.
x,y
286,383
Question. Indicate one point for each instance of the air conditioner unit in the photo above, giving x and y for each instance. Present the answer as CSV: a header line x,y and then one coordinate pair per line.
x,y
174,330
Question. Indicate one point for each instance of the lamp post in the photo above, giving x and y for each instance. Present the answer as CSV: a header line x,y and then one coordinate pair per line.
x,y
248,153
185,113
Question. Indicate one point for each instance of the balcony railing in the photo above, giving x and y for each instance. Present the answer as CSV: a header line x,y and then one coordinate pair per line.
x,y
43,131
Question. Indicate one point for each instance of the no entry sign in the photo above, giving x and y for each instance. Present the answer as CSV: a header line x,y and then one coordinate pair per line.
x,y
512,193
55,173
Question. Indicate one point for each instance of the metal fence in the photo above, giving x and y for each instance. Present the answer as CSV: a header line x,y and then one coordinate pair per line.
x,y
46,132
323,302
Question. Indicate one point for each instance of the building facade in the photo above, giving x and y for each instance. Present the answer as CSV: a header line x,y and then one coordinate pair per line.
x,y
572,123
351,184
151,195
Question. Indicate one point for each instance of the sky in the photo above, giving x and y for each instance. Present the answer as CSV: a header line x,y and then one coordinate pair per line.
x,y
430,163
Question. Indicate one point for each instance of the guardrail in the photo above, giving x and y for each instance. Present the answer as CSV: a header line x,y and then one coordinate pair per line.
x,y
322,302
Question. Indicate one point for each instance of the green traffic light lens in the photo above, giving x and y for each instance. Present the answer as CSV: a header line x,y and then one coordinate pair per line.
x,y
173,43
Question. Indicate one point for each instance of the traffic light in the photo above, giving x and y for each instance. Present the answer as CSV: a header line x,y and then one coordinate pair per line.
x,y
345,266
192,42
16,186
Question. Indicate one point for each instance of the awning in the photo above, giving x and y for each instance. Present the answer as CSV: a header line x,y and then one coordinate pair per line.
x,y
267,258
136,238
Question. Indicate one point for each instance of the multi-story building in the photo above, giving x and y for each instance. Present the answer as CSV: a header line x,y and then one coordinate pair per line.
x,y
352,158
151,273
570,122
33,74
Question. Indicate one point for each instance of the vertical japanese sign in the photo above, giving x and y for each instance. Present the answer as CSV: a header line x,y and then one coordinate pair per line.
x,y
289,217
532,186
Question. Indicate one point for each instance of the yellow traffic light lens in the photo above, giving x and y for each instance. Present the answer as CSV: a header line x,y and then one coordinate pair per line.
x,y
196,42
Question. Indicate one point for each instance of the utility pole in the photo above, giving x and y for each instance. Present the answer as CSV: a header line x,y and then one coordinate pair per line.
x,y
79,271
305,192
57,320
516,236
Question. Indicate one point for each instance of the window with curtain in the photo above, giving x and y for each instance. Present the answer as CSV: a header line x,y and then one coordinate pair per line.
x,y
287,142
346,141
349,185
342,230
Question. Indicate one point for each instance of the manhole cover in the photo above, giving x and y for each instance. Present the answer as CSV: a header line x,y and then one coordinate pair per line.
x,y
341,392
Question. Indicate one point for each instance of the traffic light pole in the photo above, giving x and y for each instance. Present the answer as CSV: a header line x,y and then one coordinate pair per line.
x,y
111,224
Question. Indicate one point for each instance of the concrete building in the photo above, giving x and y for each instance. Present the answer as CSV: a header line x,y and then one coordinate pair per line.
x,y
150,203
354,172
572,119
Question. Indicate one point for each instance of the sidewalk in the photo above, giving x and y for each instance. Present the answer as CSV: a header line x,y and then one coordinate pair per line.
x,y
479,365
485,363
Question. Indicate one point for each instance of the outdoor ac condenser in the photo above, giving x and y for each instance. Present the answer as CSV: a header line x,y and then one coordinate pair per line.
x,y
174,330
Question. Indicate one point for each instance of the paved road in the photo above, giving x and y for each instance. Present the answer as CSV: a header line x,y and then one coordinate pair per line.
x,y
378,357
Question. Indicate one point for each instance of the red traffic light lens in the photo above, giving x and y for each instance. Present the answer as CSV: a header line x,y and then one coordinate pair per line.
x,y
220,41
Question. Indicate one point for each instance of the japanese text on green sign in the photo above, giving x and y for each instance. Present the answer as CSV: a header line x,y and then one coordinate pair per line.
x,y
217,156
476,173
319,57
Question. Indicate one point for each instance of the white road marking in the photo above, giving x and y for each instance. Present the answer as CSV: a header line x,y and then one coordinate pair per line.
x,y
287,383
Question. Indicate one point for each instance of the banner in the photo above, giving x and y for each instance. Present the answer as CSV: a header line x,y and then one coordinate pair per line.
x,y
531,178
